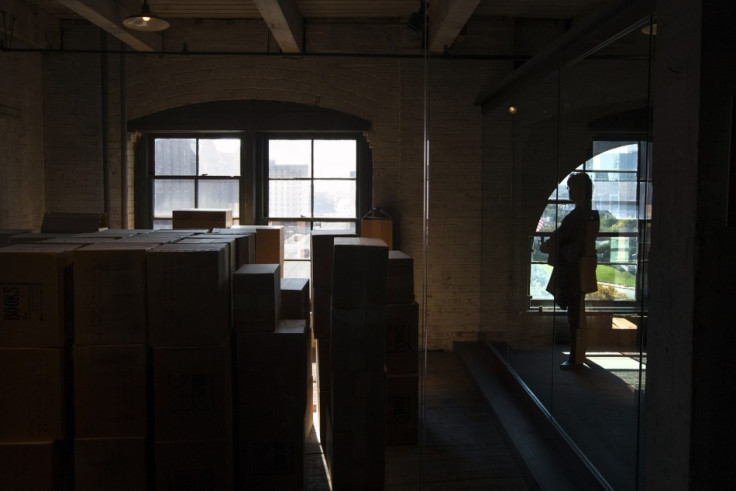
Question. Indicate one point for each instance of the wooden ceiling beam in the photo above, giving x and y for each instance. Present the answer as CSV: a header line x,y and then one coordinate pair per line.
x,y
285,21
108,15
446,19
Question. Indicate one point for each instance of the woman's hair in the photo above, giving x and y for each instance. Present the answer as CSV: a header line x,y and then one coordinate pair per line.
x,y
582,179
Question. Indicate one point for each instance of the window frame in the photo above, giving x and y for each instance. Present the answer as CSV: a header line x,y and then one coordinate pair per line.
x,y
362,179
196,178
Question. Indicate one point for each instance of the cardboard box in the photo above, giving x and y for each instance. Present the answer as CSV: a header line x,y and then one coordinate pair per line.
x,y
295,299
358,450
110,298
74,223
402,338
188,294
358,339
243,246
269,241
110,395
192,393
402,409
271,464
378,228
322,254
8,233
274,381
32,388
274,405
399,278
30,466
324,366
256,297
325,426
202,218
246,243
359,276
32,237
205,239
200,465
115,233
36,301
322,312
114,464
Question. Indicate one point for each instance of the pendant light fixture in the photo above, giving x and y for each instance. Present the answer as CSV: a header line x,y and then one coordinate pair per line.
x,y
146,21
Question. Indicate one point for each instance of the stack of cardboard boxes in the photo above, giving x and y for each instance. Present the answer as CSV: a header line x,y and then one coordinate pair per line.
x,y
110,366
322,255
35,323
402,357
357,421
273,379
190,339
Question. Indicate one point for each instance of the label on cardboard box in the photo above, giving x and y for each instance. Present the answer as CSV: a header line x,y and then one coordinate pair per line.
x,y
22,301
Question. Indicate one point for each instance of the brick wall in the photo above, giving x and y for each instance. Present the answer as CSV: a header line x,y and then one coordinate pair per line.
x,y
384,90
21,141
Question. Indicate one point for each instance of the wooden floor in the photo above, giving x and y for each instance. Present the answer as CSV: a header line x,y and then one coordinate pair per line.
x,y
460,445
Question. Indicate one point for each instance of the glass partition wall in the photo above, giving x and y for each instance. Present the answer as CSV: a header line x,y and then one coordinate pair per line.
x,y
589,116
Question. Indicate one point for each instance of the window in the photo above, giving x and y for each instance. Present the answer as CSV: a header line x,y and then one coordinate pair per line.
x,y
195,172
621,191
311,184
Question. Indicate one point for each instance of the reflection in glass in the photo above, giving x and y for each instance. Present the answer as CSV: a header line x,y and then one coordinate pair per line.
x,y
219,157
221,194
172,194
592,115
289,198
175,156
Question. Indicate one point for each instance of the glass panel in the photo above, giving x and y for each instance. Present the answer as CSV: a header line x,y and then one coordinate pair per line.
x,y
297,269
220,193
172,194
219,157
289,198
334,199
603,95
296,239
175,156
288,159
335,158
593,115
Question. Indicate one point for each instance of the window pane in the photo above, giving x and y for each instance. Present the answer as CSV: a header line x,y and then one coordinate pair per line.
x,y
289,199
624,157
289,158
297,269
219,157
221,193
296,239
172,194
163,224
175,156
335,158
540,274
334,199
336,227
561,192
